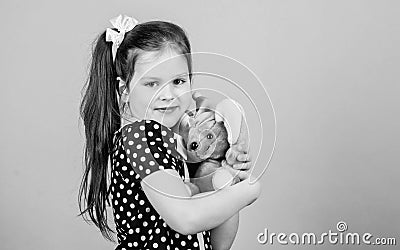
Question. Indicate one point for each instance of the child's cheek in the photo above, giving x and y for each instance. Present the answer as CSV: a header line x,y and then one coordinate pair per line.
x,y
186,100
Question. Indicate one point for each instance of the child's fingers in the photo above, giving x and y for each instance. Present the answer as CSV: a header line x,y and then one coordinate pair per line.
x,y
241,174
224,164
236,167
242,166
238,173
243,157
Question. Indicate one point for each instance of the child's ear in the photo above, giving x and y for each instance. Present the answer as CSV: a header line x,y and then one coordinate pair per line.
x,y
123,90
122,87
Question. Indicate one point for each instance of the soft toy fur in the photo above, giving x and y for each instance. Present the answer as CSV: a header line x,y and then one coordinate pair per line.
x,y
215,140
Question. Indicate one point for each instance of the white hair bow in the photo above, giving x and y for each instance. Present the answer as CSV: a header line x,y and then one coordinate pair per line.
x,y
123,25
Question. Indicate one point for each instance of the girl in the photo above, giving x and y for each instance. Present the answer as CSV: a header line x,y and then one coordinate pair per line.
x,y
138,89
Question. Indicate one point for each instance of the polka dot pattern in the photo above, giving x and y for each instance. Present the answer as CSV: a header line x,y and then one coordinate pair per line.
x,y
140,149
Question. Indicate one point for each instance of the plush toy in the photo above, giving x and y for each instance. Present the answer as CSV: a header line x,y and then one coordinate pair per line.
x,y
212,141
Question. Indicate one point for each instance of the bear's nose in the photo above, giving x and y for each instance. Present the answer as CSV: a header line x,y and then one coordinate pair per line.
x,y
194,145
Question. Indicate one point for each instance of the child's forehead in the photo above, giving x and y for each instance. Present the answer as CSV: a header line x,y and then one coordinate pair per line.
x,y
158,62
147,57
151,57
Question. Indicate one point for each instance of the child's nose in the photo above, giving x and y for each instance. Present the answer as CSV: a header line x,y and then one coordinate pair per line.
x,y
167,92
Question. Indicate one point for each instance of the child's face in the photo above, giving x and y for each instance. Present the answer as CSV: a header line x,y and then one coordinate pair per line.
x,y
160,88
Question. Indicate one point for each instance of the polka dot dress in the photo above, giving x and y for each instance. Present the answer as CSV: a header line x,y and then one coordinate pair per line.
x,y
140,149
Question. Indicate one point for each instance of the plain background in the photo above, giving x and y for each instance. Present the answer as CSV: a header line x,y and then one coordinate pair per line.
x,y
330,67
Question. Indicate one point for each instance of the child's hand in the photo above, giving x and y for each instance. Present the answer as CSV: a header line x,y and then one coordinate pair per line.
x,y
244,164
241,166
238,158
192,188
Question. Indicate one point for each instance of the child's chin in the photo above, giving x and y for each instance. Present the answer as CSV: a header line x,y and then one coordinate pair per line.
x,y
168,122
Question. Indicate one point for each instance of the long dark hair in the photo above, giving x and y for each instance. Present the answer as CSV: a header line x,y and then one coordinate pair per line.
x,y
100,111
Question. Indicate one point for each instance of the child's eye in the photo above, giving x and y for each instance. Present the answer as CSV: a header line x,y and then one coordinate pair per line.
x,y
151,84
179,81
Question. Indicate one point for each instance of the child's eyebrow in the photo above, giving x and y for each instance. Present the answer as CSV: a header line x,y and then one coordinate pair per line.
x,y
157,78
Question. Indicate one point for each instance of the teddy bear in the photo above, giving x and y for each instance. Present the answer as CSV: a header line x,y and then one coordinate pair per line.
x,y
213,141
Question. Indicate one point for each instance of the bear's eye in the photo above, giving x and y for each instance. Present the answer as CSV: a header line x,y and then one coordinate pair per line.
x,y
194,145
210,136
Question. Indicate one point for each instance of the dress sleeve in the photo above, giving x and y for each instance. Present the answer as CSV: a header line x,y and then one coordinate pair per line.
x,y
149,147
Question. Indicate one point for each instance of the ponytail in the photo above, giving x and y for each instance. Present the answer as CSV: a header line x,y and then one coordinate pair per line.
x,y
100,113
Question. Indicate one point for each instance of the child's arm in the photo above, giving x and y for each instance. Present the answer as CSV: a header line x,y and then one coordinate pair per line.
x,y
189,215
151,154
222,237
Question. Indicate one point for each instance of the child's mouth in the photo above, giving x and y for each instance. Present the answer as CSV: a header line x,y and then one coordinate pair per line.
x,y
166,110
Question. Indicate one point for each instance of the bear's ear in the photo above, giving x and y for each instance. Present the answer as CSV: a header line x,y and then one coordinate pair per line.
x,y
231,113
